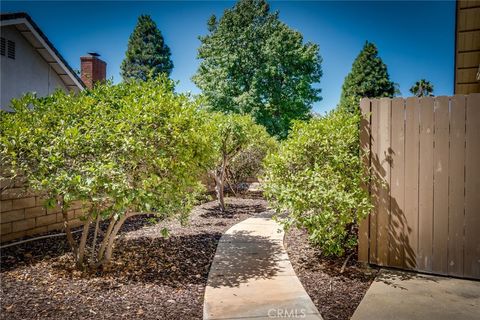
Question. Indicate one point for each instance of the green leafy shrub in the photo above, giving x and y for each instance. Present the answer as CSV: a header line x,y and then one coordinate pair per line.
x,y
233,134
316,177
124,149
248,163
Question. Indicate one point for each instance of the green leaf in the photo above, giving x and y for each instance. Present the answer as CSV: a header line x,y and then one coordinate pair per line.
x,y
165,233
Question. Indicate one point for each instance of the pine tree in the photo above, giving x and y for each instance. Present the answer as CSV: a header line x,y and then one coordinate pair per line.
x,y
147,54
252,63
368,78
422,88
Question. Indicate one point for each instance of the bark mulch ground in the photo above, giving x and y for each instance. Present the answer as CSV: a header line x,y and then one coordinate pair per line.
x,y
151,277
336,295
157,278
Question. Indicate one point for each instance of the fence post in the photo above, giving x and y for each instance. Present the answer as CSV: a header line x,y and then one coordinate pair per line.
x,y
472,185
365,140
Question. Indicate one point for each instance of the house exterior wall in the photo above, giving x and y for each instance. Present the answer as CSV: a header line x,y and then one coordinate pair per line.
x,y
467,47
22,212
28,72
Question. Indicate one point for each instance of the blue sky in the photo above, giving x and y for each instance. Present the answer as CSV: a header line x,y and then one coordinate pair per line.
x,y
415,39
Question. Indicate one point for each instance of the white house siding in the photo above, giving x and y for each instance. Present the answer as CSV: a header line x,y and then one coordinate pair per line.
x,y
28,72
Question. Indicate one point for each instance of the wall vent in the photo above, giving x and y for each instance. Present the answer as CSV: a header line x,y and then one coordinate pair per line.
x,y
3,46
11,49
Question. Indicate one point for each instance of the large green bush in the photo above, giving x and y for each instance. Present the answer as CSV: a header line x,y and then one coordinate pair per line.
x,y
316,178
248,164
125,149
233,135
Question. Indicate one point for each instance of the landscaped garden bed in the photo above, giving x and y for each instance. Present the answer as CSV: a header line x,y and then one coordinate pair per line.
x,y
336,295
150,278
160,278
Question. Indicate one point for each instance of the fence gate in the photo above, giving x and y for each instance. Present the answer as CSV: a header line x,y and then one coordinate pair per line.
x,y
424,155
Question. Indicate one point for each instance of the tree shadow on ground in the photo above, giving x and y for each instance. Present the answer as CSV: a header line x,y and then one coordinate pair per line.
x,y
241,257
174,261
232,210
394,278
52,249
187,260
331,266
150,277
246,194
36,251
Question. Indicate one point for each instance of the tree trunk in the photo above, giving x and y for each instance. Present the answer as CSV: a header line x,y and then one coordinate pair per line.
x,y
94,243
219,191
106,237
111,238
83,242
227,180
220,181
68,231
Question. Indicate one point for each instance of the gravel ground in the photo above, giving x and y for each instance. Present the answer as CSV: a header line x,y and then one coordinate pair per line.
x,y
151,277
336,295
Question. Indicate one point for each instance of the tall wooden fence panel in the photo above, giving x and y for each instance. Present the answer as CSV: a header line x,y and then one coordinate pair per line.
x,y
424,158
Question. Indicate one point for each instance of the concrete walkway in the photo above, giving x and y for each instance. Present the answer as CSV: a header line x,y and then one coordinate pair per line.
x,y
252,278
396,295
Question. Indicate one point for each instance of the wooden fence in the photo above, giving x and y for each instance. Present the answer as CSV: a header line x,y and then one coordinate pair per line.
x,y
424,157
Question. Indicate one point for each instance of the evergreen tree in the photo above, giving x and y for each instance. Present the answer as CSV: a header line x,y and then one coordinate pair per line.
x,y
252,63
147,54
368,78
422,88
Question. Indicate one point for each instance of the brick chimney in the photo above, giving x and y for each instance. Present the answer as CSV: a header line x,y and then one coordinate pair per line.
x,y
93,69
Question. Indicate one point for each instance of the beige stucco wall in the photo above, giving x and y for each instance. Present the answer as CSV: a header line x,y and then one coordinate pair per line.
x,y
29,72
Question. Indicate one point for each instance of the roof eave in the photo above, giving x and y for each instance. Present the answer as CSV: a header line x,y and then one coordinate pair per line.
x,y
23,18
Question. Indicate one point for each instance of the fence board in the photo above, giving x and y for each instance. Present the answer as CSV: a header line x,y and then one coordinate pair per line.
x,y
472,187
383,169
363,228
412,123
397,199
425,188
375,185
424,160
440,185
456,186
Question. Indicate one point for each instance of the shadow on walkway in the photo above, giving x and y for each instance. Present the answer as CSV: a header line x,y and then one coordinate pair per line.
x,y
241,256
252,277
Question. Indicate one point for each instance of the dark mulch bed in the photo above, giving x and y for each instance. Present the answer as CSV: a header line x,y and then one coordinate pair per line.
x,y
151,277
336,295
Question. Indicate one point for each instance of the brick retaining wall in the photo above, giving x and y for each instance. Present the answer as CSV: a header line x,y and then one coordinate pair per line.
x,y
22,213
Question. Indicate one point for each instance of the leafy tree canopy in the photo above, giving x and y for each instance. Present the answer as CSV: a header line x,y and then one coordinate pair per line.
x,y
422,88
147,54
316,177
368,79
234,135
252,63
